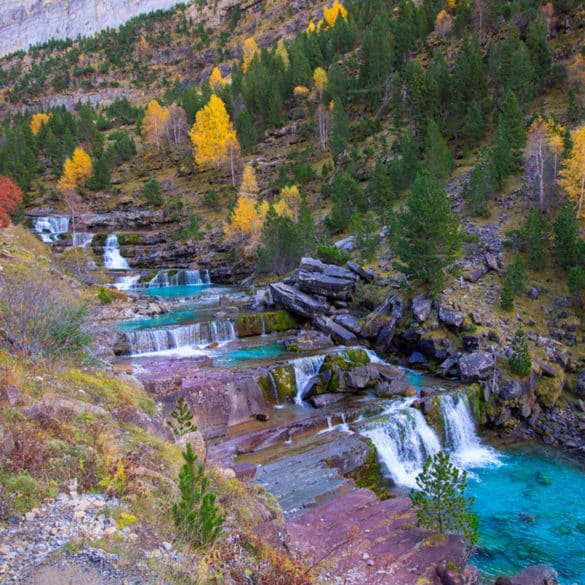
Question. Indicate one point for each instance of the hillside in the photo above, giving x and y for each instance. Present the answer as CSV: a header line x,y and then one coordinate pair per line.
x,y
429,154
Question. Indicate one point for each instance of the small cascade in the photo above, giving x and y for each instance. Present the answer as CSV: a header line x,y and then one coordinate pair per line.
x,y
461,438
263,321
275,391
403,441
127,282
166,278
82,239
305,370
342,426
113,260
197,335
51,227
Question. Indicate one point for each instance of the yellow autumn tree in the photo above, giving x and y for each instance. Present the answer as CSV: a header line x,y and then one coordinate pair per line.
x,y
282,52
573,171
37,121
211,133
292,197
311,28
452,4
320,81
216,79
250,49
249,185
330,15
443,23
154,124
76,170
245,226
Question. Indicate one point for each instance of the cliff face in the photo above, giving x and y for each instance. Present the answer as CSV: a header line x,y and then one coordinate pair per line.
x,y
28,22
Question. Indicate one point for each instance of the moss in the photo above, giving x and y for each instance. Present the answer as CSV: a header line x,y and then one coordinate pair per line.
x,y
370,475
129,239
266,386
284,380
258,323
548,391
357,356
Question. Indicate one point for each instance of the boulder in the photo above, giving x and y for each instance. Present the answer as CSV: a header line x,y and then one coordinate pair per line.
x,y
350,322
398,387
475,274
367,275
328,280
297,301
386,333
7,445
436,348
449,368
513,390
492,262
339,333
421,308
387,372
476,366
417,359
324,400
451,317
244,471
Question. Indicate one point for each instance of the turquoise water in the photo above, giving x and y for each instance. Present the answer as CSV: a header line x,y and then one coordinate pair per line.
x,y
238,356
176,292
182,317
531,511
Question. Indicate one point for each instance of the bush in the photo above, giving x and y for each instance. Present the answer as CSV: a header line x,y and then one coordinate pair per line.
x,y
331,254
37,320
152,193
520,362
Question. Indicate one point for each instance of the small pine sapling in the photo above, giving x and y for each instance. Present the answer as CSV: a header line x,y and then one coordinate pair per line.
x,y
182,419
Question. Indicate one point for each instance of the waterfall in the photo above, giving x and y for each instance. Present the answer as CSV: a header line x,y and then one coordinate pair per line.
x,y
461,438
113,260
82,239
192,277
185,337
127,282
305,370
403,441
277,405
51,227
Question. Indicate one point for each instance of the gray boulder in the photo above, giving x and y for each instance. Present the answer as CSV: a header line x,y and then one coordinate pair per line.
x,y
339,333
451,317
476,366
297,301
367,275
349,322
421,308
323,400
328,280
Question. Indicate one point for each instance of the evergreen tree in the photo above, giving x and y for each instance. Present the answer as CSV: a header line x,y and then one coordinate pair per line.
x,y
519,361
440,503
101,174
429,234
246,132
517,275
501,164
438,158
479,186
152,193
533,238
182,419
507,296
197,517
306,227
539,53
363,228
347,197
379,188
513,128
576,284
340,129
474,127
566,239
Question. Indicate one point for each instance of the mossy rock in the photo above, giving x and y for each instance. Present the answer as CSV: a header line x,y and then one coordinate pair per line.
x,y
370,475
258,323
129,239
99,240
357,356
267,388
285,381
548,391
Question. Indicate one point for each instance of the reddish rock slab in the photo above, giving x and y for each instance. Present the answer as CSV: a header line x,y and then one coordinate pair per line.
x,y
357,539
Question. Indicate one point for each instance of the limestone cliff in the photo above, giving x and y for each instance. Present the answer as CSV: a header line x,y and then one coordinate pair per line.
x,y
28,22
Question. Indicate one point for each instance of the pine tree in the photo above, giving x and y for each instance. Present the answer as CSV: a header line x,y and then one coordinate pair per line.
x,y
438,157
501,163
533,239
429,234
197,517
479,186
507,296
379,189
536,41
513,128
182,419
439,500
566,239
519,361
340,130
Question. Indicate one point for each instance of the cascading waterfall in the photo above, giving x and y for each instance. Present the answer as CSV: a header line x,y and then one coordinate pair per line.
x,y
404,440
166,278
277,404
305,370
51,227
460,435
127,282
186,337
113,260
82,239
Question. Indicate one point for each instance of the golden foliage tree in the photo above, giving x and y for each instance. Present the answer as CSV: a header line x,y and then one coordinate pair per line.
x,y
282,52
330,15
216,79
292,198
245,226
573,171
76,170
443,23
154,124
211,132
320,81
249,185
250,49
37,121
